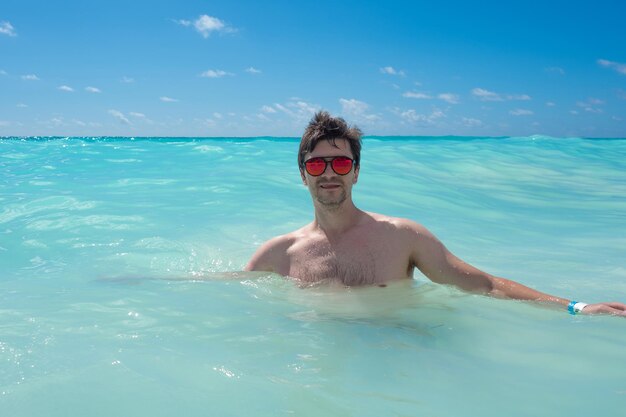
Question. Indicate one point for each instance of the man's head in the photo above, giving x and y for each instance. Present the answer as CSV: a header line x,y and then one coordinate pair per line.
x,y
330,146
325,127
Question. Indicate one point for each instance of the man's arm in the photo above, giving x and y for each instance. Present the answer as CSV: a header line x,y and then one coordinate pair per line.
x,y
271,256
441,266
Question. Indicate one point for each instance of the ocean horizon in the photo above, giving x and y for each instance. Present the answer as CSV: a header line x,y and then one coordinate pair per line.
x,y
297,138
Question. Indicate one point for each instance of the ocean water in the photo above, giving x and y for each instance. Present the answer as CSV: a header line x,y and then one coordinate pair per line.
x,y
117,295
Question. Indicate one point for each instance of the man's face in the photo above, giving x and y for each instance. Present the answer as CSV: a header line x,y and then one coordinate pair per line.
x,y
330,189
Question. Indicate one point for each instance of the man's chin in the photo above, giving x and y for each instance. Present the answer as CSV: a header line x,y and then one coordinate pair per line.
x,y
332,203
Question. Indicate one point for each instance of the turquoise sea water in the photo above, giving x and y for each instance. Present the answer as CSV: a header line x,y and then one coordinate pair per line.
x,y
115,297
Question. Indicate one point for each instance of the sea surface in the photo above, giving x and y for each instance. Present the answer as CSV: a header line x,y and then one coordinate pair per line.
x,y
120,296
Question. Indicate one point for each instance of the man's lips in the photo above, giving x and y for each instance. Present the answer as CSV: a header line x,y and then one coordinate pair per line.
x,y
329,186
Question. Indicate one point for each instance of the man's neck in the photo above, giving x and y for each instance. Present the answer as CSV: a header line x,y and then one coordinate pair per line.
x,y
336,220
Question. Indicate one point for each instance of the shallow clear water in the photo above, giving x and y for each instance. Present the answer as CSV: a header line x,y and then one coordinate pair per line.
x,y
114,296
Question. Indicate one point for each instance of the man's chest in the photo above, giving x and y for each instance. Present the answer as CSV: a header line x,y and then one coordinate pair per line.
x,y
351,262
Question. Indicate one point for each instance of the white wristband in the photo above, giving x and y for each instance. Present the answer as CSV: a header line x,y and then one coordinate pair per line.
x,y
574,307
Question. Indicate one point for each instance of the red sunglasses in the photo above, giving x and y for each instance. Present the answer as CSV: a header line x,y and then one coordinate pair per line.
x,y
340,164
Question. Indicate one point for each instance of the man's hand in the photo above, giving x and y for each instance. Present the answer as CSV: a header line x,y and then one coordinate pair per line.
x,y
614,309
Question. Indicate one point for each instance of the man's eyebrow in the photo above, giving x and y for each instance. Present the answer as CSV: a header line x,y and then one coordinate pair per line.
x,y
331,156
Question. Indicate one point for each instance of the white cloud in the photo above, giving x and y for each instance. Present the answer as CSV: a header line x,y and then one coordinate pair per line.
x,y
470,122
137,115
119,116
357,110
66,88
6,28
550,104
217,115
352,106
127,80
521,112
303,107
56,121
3,72
79,122
210,123
5,123
590,105
449,97
92,90
268,109
283,108
427,119
410,115
299,110
391,71
168,99
593,110
556,70
21,105
30,77
617,66
253,70
205,25
215,74
574,112
486,95
436,114
412,94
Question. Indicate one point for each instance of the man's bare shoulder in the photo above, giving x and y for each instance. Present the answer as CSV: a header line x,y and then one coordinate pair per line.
x,y
399,224
282,242
272,256
421,243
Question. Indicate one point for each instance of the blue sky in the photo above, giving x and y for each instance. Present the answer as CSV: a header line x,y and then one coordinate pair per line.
x,y
251,68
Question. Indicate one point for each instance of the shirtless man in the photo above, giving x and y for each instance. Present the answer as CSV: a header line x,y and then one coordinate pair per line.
x,y
354,247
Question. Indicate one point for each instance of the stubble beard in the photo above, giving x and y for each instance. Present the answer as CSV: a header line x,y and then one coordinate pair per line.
x,y
332,203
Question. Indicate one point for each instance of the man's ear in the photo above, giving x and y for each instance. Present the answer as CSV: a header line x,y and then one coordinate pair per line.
x,y
356,175
303,177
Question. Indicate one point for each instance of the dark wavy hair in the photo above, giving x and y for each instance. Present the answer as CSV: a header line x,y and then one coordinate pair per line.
x,y
325,127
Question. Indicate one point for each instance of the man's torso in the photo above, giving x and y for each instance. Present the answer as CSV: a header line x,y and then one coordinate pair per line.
x,y
374,252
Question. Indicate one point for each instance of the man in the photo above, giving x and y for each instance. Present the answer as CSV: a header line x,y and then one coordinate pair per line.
x,y
354,247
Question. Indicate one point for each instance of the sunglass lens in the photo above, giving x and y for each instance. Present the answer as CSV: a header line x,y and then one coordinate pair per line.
x,y
315,166
342,165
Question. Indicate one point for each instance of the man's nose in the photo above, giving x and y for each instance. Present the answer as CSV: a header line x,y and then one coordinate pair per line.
x,y
328,170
